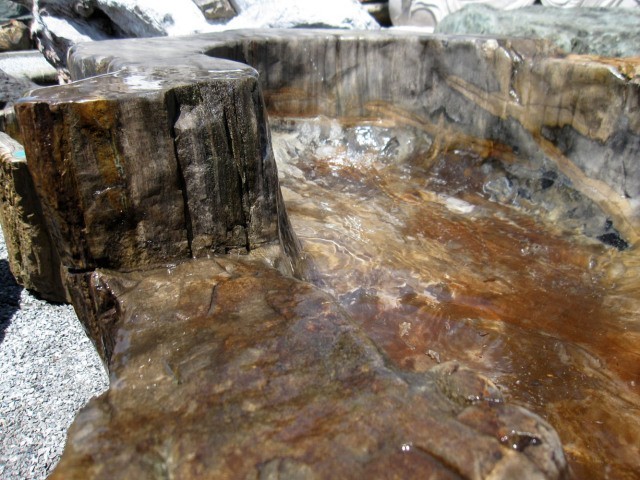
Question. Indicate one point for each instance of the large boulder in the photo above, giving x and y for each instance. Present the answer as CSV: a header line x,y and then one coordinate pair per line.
x,y
427,14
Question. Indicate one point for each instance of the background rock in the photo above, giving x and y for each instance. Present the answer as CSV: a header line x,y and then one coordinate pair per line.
x,y
28,64
296,14
9,10
59,24
216,9
595,31
12,88
427,14
14,35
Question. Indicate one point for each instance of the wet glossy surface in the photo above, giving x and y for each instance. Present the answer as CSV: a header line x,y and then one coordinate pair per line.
x,y
439,259
224,368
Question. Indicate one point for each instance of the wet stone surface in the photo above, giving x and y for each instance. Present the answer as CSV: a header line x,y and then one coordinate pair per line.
x,y
477,207
264,376
436,262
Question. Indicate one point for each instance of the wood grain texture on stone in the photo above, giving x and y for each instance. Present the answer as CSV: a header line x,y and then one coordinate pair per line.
x,y
33,258
106,172
134,169
574,114
264,376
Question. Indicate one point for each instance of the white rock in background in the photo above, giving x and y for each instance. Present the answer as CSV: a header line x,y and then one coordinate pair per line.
x,y
148,18
298,13
59,24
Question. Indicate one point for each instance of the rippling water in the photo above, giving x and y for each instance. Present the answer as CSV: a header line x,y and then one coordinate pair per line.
x,y
439,256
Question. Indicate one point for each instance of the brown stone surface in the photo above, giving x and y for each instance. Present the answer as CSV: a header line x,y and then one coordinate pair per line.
x,y
135,170
33,258
264,376
441,257
135,167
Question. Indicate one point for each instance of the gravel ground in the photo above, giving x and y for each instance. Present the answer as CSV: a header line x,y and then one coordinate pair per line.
x,y
48,371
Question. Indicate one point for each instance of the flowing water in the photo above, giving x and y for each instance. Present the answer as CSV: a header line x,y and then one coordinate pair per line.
x,y
442,255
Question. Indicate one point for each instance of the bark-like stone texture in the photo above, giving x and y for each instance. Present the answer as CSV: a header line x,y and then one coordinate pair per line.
x,y
33,258
133,171
108,178
574,115
263,376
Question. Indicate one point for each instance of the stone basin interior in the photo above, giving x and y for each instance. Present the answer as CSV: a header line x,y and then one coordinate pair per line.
x,y
423,255
460,198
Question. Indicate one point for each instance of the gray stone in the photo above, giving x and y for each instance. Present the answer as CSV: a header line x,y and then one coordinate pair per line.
x,y
9,9
28,64
216,9
12,88
428,13
609,32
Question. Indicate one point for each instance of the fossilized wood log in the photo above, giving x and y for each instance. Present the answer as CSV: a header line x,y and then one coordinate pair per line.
x,y
263,376
136,169
519,100
33,258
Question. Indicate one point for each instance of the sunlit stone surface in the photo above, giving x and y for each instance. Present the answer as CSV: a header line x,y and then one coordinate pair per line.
x,y
478,206
611,32
421,252
262,376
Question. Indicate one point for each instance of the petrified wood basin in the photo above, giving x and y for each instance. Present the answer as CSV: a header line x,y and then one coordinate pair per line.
x,y
446,267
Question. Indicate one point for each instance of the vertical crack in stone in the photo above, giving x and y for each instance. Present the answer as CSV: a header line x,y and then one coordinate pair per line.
x,y
244,194
173,113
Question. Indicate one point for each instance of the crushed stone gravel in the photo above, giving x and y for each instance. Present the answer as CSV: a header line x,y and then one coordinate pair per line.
x,y
48,371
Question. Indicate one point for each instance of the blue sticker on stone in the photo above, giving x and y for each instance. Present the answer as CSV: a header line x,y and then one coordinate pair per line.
x,y
19,154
